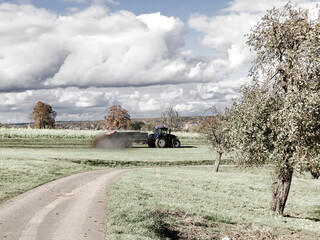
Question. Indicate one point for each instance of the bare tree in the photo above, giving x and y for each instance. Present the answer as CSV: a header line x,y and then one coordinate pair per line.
x,y
216,128
171,118
117,118
43,116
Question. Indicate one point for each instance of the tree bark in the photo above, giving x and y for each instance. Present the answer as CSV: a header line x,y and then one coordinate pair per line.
x,y
315,173
281,190
217,162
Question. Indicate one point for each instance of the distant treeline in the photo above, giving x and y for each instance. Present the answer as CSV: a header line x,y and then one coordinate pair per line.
x,y
188,124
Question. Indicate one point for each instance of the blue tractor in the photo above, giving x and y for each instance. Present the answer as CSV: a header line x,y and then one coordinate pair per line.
x,y
162,137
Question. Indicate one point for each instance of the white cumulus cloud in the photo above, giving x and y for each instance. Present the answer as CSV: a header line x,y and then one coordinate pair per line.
x,y
226,32
84,62
93,47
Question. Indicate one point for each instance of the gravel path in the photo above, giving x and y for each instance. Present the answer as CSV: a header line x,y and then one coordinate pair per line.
x,y
73,207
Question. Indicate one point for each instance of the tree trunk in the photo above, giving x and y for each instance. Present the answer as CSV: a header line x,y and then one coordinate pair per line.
x,y
315,173
281,190
217,162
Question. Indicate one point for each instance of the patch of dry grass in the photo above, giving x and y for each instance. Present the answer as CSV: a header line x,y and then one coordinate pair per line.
x,y
181,225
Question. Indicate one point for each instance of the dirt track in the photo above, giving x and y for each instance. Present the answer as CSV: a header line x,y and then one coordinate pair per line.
x,y
69,208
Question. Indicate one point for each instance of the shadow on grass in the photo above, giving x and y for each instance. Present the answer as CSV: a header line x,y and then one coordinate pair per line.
x,y
314,219
180,225
144,146
116,163
317,211
164,232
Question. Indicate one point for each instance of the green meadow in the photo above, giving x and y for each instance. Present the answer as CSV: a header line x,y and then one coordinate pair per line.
x,y
31,157
194,203
164,196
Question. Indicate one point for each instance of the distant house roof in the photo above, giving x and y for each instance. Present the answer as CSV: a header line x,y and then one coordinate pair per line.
x,y
160,127
110,132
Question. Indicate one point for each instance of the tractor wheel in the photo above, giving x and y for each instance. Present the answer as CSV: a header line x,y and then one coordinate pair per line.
x,y
176,143
151,143
161,143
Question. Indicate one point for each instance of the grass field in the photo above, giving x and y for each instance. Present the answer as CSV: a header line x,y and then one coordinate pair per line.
x,y
75,147
50,138
31,157
175,202
193,203
46,138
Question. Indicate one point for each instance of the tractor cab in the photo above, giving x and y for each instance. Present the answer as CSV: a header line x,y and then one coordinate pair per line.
x,y
159,130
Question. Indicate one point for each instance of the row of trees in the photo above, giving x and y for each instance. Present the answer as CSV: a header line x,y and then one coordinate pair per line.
x,y
44,116
119,118
277,118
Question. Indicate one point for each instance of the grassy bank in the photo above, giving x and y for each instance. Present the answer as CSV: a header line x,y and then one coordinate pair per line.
x,y
18,175
178,203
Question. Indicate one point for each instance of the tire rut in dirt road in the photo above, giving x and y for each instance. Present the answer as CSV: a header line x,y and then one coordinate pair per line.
x,y
69,208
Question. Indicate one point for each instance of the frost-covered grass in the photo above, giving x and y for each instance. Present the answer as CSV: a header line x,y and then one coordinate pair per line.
x,y
233,203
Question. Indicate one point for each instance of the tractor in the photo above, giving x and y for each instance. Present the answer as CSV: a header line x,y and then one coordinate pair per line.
x,y
162,137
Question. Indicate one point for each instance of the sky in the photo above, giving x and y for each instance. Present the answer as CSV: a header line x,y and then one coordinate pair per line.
x,y
83,56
